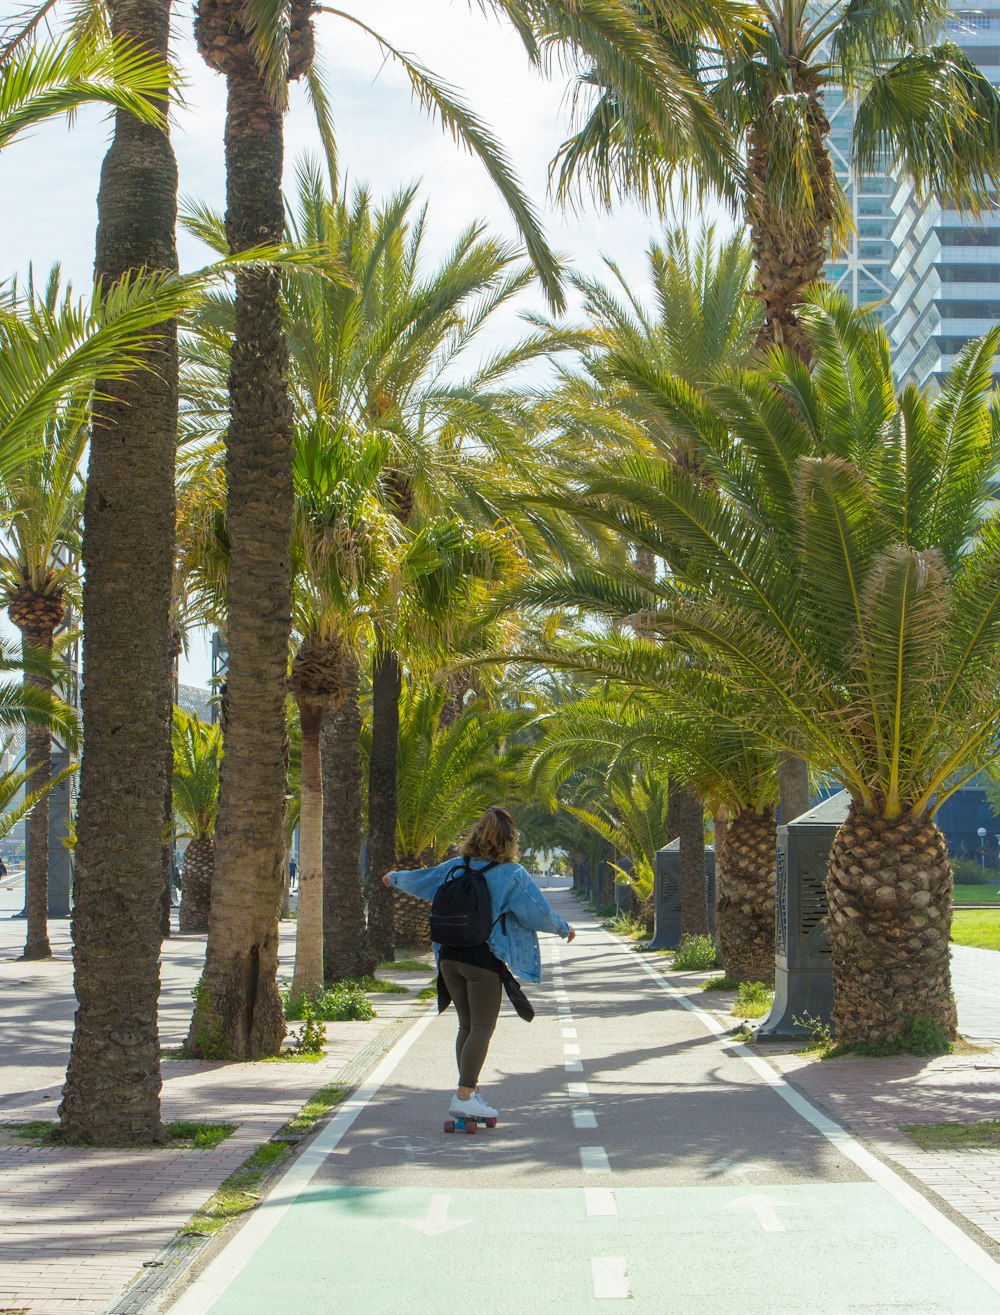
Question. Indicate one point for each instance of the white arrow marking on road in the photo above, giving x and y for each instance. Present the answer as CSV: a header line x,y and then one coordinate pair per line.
x,y
763,1208
437,1221
609,1278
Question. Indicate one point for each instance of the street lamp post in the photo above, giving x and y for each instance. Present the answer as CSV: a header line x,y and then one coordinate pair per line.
x,y
981,833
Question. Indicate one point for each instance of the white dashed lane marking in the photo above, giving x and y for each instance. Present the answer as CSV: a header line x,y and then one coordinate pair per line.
x,y
584,1119
594,1159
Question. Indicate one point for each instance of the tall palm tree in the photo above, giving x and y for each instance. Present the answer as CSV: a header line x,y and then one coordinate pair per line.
x,y
847,583
343,544
921,105
197,748
112,1091
41,507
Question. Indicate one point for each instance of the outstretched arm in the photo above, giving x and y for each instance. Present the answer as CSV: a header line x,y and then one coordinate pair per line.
x,y
420,882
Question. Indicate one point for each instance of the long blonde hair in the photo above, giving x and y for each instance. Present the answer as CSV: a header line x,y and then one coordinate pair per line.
x,y
494,836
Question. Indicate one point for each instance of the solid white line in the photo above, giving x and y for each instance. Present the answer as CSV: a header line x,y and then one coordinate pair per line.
x,y
594,1159
609,1275
227,1265
958,1242
600,1201
573,1066
570,1048
578,1089
584,1119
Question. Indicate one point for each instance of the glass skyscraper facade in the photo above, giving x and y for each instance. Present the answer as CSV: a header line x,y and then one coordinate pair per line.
x,y
935,271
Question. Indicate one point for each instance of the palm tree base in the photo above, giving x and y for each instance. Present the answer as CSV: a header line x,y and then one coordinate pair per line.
x,y
745,877
889,894
196,897
410,919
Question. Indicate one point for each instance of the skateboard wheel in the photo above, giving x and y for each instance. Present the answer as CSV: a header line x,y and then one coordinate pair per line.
x,y
449,1125
490,1123
470,1125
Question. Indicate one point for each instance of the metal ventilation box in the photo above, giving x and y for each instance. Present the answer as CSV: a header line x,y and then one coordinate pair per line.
x,y
803,976
667,895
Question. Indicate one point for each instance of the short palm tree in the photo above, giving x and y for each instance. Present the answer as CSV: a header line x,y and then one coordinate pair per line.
x,y
921,105
198,753
847,583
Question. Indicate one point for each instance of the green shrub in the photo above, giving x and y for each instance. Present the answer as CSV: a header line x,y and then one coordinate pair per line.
x,y
696,953
628,926
919,1035
753,1000
967,872
722,983
345,1002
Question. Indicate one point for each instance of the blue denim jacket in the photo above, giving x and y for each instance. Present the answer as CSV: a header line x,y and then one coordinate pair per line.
x,y
512,892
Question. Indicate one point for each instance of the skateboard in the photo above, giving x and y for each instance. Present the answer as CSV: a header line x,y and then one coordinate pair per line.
x,y
466,1122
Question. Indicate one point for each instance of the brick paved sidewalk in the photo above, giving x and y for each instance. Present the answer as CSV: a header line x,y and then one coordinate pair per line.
x,y
77,1225
874,1097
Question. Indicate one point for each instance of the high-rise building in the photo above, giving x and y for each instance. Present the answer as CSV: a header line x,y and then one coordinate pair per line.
x,y
936,272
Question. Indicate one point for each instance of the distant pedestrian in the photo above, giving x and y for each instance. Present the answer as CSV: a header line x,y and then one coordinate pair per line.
x,y
473,975
293,867
3,869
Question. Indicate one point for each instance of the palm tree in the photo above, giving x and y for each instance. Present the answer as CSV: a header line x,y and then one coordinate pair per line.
x,y
343,544
112,1091
922,106
847,584
197,748
42,80
41,506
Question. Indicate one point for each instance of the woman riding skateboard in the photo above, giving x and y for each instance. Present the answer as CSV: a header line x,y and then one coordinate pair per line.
x,y
473,976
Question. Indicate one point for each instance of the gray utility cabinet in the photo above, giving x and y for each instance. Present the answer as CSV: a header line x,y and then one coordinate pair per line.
x,y
803,969
667,895
60,858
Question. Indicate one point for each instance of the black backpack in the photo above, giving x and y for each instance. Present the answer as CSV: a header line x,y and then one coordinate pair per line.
x,y
461,912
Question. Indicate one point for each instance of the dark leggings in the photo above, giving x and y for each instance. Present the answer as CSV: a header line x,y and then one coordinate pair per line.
x,y
475,993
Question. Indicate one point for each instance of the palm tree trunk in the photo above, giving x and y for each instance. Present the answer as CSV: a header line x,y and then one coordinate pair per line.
x,y
196,896
789,252
345,940
889,895
793,785
745,887
307,978
240,1009
691,829
112,1091
387,684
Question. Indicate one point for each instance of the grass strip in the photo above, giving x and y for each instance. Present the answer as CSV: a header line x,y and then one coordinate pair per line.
x,y
429,992
182,1134
977,927
241,1190
405,966
722,983
954,1136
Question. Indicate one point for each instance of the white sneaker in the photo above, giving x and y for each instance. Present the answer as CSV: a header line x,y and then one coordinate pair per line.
x,y
474,1107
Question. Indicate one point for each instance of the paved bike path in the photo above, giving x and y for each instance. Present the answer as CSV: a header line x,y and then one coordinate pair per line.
x,y
639,1166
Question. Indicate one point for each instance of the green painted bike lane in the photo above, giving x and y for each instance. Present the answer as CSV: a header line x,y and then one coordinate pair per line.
x,y
639,1166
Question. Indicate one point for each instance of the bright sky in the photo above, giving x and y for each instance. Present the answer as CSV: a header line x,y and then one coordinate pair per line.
x,y
51,179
